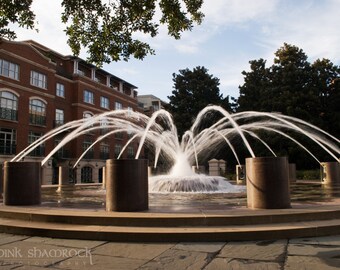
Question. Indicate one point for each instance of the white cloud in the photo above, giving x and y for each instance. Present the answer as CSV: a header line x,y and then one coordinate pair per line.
x,y
51,30
313,28
229,12
232,33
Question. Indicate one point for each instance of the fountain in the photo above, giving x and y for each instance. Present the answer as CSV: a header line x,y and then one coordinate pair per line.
x,y
191,219
159,132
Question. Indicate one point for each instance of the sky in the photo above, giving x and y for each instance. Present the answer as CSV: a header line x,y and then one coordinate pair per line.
x,y
233,33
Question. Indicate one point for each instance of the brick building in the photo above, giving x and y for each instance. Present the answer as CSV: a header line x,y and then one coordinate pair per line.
x,y
41,89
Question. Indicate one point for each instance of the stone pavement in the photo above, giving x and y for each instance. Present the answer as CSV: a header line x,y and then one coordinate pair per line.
x,y
37,253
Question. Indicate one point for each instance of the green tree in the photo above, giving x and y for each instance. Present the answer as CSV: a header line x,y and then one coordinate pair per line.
x,y
15,11
290,91
255,84
294,87
107,28
193,90
326,79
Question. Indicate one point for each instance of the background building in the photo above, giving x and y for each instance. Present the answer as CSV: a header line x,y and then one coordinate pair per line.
x,y
41,89
150,104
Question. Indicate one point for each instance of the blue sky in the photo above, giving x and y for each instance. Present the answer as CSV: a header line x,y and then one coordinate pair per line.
x,y
233,32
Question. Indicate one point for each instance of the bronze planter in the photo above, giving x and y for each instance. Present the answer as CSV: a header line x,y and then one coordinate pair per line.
x,y
331,173
22,183
127,185
267,183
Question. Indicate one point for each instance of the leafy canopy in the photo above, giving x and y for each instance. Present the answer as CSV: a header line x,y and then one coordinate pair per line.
x,y
15,11
108,28
295,87
193,90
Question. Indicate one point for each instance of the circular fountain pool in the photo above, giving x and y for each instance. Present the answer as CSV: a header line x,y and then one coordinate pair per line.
x,y
93,197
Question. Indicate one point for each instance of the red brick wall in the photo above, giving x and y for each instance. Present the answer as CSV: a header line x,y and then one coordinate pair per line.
x,y
59,70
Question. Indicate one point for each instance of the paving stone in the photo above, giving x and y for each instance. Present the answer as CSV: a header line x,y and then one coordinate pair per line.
x,y
9,238
74,243
32,267
133,250
255,250
311,263
233,264
178,259
201,247
314,250
325,240
37,254
101,262
8,265
37,239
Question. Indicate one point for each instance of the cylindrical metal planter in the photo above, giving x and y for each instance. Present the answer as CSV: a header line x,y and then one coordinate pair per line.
x,y
22,183
127,185
267,183
331,173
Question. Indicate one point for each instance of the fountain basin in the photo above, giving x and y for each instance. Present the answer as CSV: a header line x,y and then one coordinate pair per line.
x,y
192,183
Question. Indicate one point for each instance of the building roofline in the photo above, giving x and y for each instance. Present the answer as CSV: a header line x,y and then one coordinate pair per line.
x,y
151,96
73,57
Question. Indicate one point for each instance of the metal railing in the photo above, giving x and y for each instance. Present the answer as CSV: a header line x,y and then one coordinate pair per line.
x,y
8,149
36,119
8,114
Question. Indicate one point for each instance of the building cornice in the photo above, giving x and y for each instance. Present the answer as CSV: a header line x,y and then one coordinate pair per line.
x,y
27,89
13,55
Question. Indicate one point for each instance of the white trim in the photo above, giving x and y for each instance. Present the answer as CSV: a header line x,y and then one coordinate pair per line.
x,y
39,98
10,90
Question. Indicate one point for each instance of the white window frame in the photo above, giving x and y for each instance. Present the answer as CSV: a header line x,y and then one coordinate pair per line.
x,y
38,79
59,116
88,97
118,105
60,90
104,102
9,69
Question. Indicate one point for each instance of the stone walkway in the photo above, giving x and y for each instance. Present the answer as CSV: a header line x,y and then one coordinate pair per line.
x,y
37,253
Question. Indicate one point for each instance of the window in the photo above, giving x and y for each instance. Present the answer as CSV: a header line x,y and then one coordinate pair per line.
x,y
8,106
7,141
104,102
104,126
119,135
38,79
90,153
118,148
130,152
61,153
130,110
86,175
37,111
118,106
88,97
60,90
88,115
130,132
155,106
9,69
59,117
39,150
104,151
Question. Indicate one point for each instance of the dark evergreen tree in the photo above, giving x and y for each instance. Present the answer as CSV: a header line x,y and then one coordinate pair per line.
x,y
256,83
294,87
193,90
